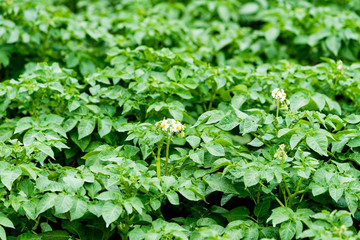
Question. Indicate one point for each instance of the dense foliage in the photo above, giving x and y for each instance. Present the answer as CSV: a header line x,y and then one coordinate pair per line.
x,y
154,119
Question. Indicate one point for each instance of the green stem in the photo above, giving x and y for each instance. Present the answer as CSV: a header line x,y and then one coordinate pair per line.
x,y
261,140
167,152
251,196
211,99
178,162
277,107
255,220
285,184
296,191
302,196
278,200
258,195
336,79
158,169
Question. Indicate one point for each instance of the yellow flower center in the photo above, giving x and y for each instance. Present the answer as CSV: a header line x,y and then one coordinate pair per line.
x,y
162,125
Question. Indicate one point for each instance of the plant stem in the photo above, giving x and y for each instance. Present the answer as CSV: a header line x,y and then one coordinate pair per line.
x,y
296,191
251,196
158,169
285,184
276,198
211,99
178,162
258,195
277,107
167,152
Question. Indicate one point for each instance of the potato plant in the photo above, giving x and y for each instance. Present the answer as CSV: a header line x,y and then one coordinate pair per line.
x,y
190,119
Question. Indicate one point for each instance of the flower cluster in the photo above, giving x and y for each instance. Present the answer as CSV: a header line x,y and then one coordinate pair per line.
x,y
279,94
281,153
171,125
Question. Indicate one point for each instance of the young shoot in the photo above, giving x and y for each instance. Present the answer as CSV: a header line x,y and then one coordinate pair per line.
x,y
171,127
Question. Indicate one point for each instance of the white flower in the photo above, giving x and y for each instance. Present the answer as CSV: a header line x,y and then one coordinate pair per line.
x,y
275,92
339,65
278,94
171,125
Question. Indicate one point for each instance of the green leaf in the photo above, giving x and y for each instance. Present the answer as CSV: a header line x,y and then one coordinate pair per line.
x,y
47,202
287,230
111,212
72,60
317,189
2,233
55,235
228,123
197,156
30,209
29,137
296,138
355,142
238,100
75,228
86,127
22,127
74,183
279,215
176,113
6,222
352,118
82,143
262,209
46,149
351,201
238,213
69,124
63,203
188,194
318,143
104,126
86,66
78,209
249,8
216,150
130,151
223,12
334,44
336,192
194,141
206,115
248,125
9,176
27,186
28,170
137,204
333,105
173,198
251,177
272,34
4,59
319,100
14,35
298,100
137,234
220,183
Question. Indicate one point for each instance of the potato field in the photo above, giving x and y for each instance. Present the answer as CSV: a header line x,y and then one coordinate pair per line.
x,y
169,119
